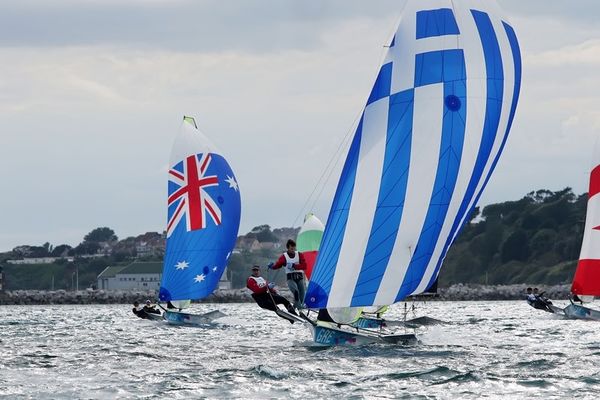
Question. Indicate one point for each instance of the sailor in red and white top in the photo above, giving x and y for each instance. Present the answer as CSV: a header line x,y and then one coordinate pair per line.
x,y
295,265
264,292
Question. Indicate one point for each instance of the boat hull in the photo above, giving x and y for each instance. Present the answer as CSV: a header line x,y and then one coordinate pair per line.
x,y
546,306
154,317
333,336
182,318
580,312
369,323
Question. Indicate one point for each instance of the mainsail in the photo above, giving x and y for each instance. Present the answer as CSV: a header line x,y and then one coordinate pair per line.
x,y
587,276
203,216
425,147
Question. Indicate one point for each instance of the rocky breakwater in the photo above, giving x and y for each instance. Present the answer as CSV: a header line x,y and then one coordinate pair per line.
x,y
461,292
458,292
90,296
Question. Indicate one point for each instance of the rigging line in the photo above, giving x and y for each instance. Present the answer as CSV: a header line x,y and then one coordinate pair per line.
x,y
343,143
336,156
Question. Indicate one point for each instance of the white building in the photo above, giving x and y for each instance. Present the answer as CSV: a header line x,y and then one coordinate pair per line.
x,y
140,276
135,276
39,260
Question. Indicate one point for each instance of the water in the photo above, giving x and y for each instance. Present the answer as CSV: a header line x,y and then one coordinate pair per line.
x,y
490,350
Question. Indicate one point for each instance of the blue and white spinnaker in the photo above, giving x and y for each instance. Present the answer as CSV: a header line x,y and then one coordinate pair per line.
x,y
426,145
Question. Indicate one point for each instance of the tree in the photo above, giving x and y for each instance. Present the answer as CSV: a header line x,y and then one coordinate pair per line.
x,y
60,250
103,234
86,248
48,247
515,247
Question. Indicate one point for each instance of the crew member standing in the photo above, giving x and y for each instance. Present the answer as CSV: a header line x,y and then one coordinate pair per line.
x,y
295,265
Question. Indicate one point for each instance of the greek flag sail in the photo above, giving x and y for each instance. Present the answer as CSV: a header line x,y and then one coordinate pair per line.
x,y
203,210
428,140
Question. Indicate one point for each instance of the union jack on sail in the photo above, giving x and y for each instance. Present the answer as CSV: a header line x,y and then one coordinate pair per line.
x,y
187,191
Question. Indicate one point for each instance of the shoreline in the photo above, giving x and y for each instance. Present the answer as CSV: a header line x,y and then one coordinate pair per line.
x,y
457,292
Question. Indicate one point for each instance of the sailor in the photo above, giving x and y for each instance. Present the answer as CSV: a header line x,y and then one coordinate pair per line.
x,y
530,296
150,309
540,302
137,310
295,265
264,292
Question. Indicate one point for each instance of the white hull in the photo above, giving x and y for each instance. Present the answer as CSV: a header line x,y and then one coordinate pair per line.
x,y
182,318
580,312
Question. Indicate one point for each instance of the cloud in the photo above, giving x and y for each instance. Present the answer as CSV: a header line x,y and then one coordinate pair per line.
x,y
93,93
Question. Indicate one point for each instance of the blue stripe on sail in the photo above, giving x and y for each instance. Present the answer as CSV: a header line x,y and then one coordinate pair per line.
x,y
382,85
321,279
439,66
393,41
390,202
493,109
451,148
438,22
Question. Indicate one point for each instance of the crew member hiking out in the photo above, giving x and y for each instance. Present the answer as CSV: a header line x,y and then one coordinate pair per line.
x,y
265,294
295,265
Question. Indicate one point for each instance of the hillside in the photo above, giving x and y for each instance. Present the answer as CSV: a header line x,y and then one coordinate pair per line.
x,y
535,239
532,240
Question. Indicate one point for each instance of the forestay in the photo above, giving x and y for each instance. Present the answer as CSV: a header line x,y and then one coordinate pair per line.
x,y
425,147
203,216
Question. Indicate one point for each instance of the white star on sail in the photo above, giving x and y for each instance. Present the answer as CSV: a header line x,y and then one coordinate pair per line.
x,y
214,269
182,265
232,183
199,278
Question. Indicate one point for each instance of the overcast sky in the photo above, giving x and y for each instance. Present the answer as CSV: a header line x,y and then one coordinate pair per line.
x,y
92,93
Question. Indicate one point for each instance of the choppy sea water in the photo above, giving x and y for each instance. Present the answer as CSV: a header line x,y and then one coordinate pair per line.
x,y
488,350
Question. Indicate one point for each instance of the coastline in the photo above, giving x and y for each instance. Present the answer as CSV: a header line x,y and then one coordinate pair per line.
x,y
457,292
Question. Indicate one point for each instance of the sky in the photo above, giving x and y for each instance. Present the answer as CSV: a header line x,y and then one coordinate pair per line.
x,y
92,93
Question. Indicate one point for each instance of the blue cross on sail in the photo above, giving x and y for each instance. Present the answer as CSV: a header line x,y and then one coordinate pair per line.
x,y
203,210
425,147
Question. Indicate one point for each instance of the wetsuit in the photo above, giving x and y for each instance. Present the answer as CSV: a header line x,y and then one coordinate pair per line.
x,y
260,293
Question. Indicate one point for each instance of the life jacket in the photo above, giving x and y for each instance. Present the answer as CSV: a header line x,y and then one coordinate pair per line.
x,y
260,281
290,261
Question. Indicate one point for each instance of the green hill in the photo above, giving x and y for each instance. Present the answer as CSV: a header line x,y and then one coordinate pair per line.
x,y
535,239
532,240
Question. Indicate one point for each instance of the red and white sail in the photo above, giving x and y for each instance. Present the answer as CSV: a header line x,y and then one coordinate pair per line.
x,y
587,276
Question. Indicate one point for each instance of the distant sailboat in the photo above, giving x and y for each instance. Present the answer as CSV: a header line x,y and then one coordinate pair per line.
x,y
203,221
586,283
425,147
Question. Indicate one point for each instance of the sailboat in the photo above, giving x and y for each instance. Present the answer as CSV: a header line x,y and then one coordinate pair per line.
x,y
203,218
308,243
586,283
428,140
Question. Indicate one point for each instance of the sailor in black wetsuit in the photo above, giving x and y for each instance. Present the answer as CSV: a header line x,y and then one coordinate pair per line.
x,y
150,309
265,294
138,311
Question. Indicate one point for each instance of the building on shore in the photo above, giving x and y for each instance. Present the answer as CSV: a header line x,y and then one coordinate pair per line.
x,y
39,260
134,276
139,276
